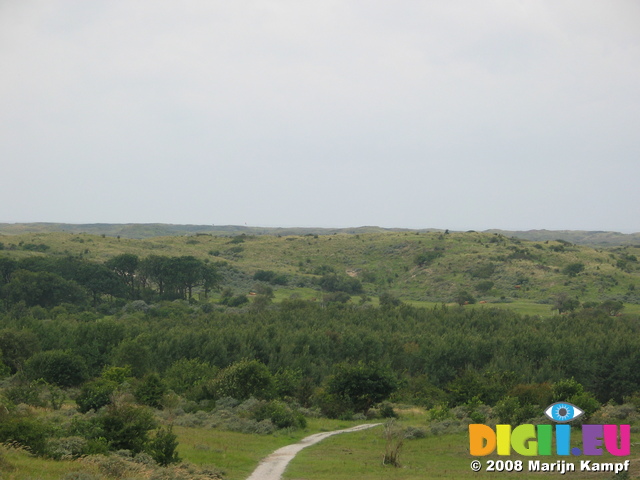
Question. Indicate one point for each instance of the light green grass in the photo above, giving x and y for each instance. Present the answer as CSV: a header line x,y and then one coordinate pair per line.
x,y
238,454
359,456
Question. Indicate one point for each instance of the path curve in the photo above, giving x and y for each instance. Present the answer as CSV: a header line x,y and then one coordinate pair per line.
x,y
272,467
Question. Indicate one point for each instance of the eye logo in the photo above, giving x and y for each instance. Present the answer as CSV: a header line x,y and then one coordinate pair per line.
x,y
563,412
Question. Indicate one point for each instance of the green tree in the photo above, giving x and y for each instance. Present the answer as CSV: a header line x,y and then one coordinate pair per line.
x,y
42,288
58,367
243,379
612,307
185,375
126,426
125,266
573,269
151,390
564,303
362,384
463,297
16,346
163,445
95,395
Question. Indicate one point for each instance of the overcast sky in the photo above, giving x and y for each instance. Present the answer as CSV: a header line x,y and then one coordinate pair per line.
x,y
447,114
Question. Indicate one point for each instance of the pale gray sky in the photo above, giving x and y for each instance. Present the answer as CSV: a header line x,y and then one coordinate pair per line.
x,y
447,114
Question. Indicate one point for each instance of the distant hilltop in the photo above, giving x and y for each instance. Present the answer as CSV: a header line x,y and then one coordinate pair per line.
x,y
148,230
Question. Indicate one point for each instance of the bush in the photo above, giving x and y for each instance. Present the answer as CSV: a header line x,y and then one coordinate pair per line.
x,y
242,380
281,415
95,395
162,447
387,411
426,258
126,426
363,385
27,392
28,432
573,269
58,367
66,447
151,391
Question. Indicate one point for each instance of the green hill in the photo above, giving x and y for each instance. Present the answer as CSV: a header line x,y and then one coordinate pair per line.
x,y
414,266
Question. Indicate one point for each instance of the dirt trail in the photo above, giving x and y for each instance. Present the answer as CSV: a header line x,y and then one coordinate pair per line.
x,y
272,467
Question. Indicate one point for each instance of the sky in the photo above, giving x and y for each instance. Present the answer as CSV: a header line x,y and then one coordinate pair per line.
x,y
510,114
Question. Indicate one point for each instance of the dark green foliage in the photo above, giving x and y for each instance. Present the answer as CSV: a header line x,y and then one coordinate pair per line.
x,y
363,385
231,300
386,411
243,379
162,447
488,387
484,286
126,426
25,391
332,282
611,307
540,394
484,270
426,258
58,367
510,411
323,270
388,300
7,267
280,414
564,303
270,276
42,288
29,432
463,297
16,346
336,297
573,269
95,394
150,391
185,375
125,266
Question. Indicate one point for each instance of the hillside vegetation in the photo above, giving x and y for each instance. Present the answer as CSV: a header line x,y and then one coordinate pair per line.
x,y
413,266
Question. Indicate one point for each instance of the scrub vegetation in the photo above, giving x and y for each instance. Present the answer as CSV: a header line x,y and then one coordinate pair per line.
x,y
195,356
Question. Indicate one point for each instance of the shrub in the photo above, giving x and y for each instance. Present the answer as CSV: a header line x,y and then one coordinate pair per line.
x,y
126,426
66,447
162,447
411,433
281,415
362,385
426,258
387,411
242,380
151,391
573,269
28,432
58,367
394,441
95,395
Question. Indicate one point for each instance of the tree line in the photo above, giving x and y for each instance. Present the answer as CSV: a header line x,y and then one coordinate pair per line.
x,y
50,281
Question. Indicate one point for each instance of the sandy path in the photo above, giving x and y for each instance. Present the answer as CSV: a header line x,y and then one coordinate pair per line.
x,y
272,467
